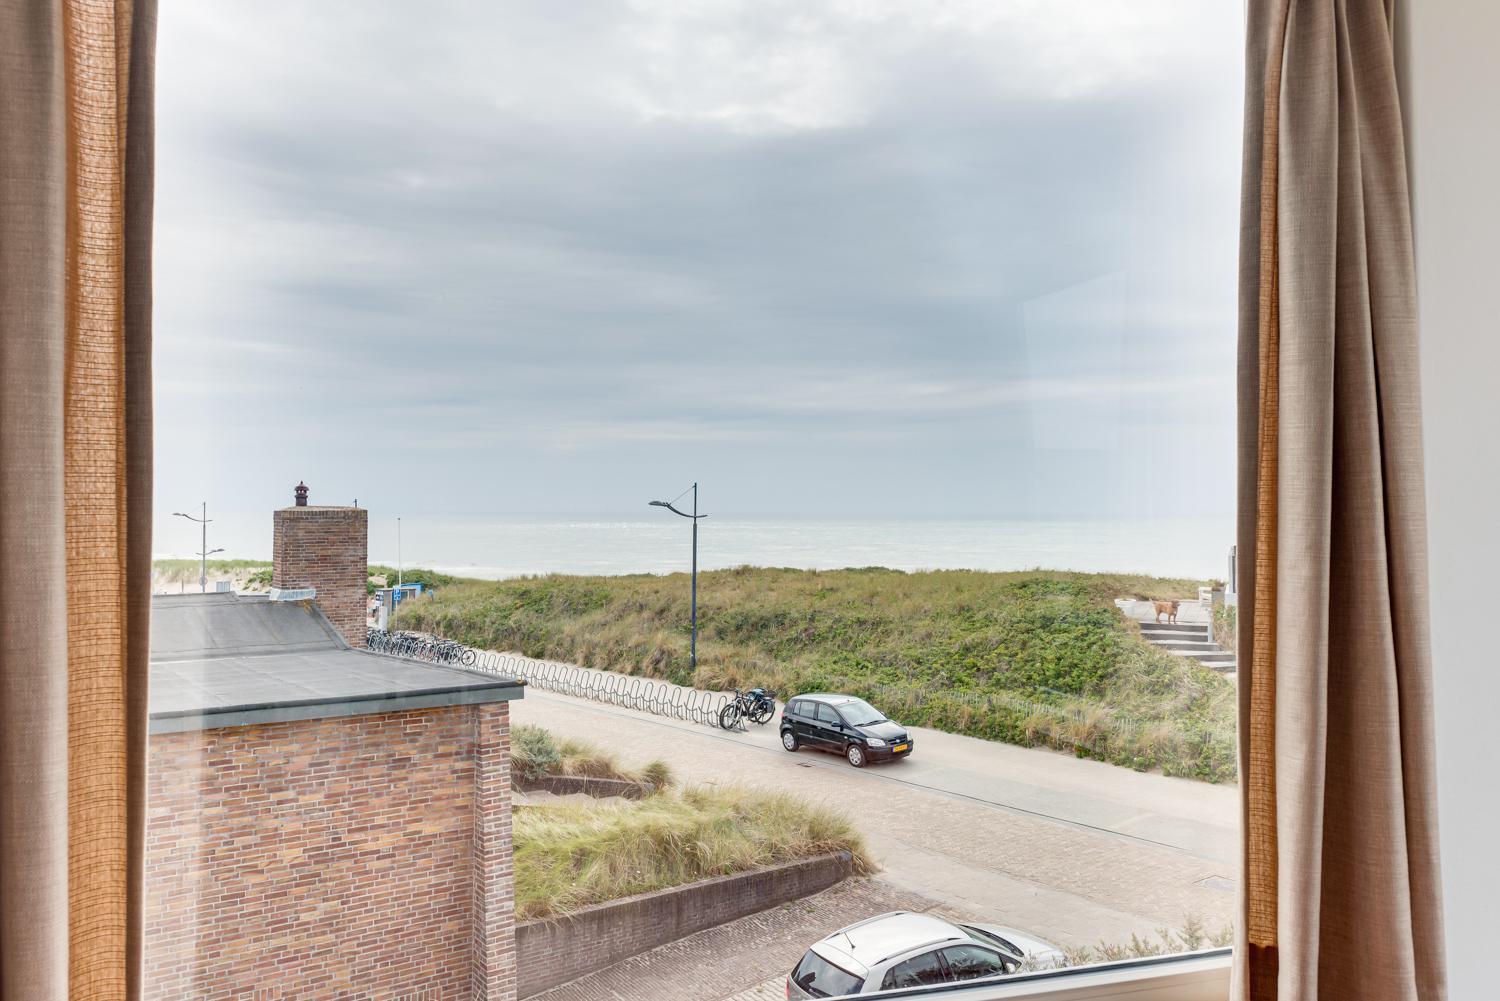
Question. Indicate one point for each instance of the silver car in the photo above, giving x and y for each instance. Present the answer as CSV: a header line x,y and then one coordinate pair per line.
x,y
903,949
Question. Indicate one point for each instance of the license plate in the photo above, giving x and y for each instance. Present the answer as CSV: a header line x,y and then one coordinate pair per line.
x,y
900,747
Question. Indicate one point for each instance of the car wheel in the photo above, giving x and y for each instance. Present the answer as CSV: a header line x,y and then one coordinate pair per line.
x,y
789,740
856,755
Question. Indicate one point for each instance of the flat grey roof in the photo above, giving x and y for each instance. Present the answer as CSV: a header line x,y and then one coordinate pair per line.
x,y
226,660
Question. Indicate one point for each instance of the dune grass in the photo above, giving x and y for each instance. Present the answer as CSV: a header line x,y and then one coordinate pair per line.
x,y
255,574
536,753
569,856
190,567
1032,658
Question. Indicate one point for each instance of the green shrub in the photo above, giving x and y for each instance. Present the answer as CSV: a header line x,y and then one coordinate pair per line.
x,y
533,753
537,754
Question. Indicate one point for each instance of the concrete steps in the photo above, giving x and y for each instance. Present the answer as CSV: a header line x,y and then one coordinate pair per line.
x,y
1184,644
1189,639
1219,660
1166,634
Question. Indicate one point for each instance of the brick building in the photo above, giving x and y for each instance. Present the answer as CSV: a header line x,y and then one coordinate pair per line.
x,y
325,550
323,822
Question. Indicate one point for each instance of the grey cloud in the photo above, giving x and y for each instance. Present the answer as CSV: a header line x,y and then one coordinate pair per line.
x,y
561,240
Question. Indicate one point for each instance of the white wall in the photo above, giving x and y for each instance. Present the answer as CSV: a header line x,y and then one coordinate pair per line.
x,y
1451,91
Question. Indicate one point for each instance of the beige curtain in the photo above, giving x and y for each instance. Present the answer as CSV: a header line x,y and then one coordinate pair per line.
x,y
75,492
1340,894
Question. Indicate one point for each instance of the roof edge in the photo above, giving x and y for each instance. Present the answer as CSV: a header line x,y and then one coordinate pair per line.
x,y
293,710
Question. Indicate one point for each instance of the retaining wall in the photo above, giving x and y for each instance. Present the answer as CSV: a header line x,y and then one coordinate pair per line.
x,y
562,785
555,950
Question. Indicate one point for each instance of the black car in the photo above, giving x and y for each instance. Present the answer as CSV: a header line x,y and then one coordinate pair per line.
x,y
844,725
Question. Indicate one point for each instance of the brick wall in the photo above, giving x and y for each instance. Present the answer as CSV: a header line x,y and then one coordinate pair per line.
x,y
326,548
493,951
363,857
551,952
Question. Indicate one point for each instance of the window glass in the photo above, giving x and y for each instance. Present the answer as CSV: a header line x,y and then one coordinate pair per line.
x,y
917,972
820,978
966,962
857,712
987,936
647,351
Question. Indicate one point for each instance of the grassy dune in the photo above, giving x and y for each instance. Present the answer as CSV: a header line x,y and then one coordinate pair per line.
x,y
214,566
572,855
1033,658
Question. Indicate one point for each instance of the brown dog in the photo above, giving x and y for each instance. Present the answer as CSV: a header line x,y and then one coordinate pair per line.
x,y
1170,607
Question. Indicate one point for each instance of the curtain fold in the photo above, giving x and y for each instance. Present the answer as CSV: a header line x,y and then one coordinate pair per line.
x,y
76,154
1339,888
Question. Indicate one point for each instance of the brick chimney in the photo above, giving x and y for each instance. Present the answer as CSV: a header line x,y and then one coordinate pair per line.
x,y
327,549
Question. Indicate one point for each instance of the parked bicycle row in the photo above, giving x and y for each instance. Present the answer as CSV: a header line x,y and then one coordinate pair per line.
x,y
417,646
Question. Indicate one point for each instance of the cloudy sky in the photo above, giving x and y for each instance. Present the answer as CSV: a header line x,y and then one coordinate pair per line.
x,y
854,257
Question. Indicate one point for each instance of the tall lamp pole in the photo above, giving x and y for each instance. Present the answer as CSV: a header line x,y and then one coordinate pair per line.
x,y
397,594
695,516
204,552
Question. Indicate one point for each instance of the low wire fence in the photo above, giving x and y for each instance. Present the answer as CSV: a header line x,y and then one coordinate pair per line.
x,y
660,698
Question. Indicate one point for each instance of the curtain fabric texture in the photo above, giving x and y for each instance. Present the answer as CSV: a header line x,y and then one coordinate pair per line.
x,y
76,145
1339,890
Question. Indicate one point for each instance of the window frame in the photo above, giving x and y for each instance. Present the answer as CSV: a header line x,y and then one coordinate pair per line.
x,y
1006,966
859,982
1189,976
936,952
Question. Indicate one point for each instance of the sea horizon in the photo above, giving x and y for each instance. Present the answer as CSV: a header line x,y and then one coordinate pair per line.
x,y
511,545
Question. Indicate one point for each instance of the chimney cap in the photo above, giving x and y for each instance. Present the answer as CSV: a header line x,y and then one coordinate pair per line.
x,y
301,494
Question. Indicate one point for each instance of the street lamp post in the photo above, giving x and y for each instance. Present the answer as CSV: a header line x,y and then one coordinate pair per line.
x,y
695,516
204,552
397,594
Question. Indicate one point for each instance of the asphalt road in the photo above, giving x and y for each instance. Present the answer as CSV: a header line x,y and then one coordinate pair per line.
x,y
1070,850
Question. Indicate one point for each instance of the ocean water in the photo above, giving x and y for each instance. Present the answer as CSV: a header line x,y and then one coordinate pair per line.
x,y
511,546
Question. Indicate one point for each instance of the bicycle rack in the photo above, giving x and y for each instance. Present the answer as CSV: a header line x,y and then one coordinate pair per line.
x,y
649,695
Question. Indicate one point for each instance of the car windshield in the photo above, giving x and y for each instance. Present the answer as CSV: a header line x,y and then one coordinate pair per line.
x,y
989,938
857,712
822,979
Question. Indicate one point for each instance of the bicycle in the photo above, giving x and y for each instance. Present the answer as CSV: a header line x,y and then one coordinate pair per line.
x,y
756,705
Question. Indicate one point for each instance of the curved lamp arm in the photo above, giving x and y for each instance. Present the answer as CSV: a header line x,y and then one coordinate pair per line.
x,y
669,507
